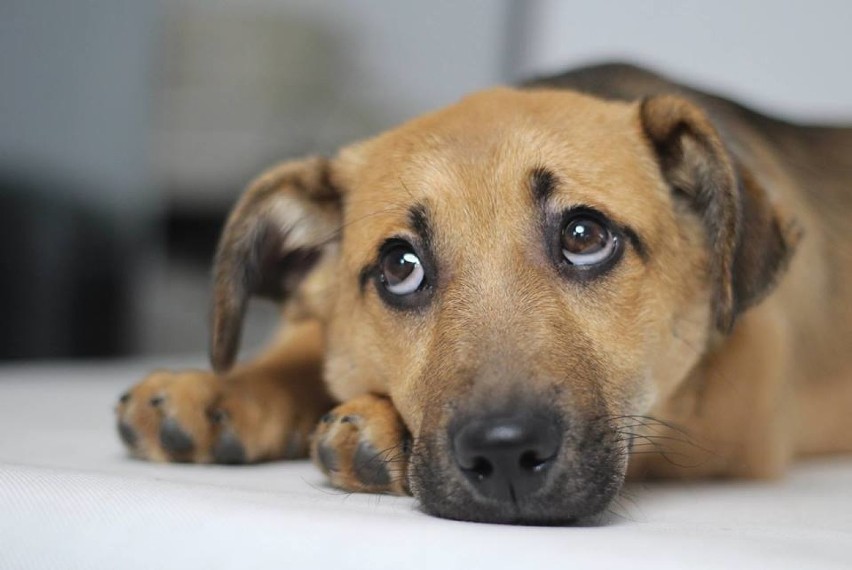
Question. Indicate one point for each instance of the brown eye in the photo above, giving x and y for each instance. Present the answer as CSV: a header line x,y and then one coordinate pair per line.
x,y
401,270
587,241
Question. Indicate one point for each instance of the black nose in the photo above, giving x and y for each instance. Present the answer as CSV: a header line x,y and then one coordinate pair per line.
x,y
507,457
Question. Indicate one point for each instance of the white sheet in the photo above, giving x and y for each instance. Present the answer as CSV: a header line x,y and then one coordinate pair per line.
x,y
70,498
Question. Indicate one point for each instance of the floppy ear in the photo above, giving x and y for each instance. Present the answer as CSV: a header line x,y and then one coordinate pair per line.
x,y
750,242
285,224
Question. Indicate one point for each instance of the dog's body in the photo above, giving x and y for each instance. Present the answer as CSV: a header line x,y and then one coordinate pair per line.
x,y
537,285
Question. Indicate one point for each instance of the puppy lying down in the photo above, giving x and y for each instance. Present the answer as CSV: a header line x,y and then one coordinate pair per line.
x,y
510,305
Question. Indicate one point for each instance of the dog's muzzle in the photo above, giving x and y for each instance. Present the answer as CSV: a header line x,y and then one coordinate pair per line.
x,y
525,466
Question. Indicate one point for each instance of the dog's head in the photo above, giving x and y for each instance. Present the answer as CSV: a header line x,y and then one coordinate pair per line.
x,y
522,273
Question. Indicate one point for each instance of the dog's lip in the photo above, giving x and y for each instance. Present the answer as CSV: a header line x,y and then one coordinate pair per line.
x,y
517,512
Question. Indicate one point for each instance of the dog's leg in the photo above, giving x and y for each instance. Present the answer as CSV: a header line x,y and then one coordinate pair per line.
x,y
363,446
262,410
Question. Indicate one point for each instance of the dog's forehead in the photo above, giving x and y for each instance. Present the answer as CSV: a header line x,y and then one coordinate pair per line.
x,y
470,165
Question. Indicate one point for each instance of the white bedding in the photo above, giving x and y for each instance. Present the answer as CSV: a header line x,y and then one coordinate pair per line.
x,y
70,498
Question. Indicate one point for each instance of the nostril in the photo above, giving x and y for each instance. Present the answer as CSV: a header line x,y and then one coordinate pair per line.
x,y
482,468
531,461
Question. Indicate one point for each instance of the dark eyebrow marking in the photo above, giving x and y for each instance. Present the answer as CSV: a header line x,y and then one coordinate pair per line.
x,y
418,217
542,183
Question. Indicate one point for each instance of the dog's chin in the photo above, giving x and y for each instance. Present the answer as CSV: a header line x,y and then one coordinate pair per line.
x,y
575,494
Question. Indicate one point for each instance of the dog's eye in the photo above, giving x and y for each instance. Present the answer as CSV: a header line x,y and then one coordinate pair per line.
x,y
401,270
587,241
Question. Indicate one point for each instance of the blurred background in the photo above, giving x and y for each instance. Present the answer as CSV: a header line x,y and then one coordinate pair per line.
x,y
129,127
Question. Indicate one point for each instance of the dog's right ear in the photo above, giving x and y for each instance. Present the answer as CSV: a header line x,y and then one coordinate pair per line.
x,y
285,224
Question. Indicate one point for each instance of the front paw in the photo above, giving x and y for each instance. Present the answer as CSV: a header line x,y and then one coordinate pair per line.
x,y
195,416
165,416
363,446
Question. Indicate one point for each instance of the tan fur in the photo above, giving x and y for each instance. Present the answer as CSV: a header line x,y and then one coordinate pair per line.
x,y
652,339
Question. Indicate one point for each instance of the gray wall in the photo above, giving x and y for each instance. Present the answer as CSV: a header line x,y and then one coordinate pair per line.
x,y
786,56
75,95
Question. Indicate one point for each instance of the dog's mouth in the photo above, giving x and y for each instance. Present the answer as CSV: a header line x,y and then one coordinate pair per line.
x,y
519,469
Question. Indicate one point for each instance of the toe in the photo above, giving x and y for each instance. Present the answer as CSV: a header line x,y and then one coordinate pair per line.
x,y
327,458
127,434
370,466
174,438
228,449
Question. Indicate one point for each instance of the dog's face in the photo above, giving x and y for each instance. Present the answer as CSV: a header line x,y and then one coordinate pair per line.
x,y
523,273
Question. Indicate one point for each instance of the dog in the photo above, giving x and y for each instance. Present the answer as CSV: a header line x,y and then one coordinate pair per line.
x,y
509,306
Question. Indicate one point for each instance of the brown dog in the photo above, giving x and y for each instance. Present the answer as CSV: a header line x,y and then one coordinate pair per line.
x,y
524,297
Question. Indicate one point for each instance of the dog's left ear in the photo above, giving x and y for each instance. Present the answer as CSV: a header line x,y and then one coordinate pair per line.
x,y
750,242
282,232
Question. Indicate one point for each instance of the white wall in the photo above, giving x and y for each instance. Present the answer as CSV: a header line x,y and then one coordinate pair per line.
x,y
786,56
